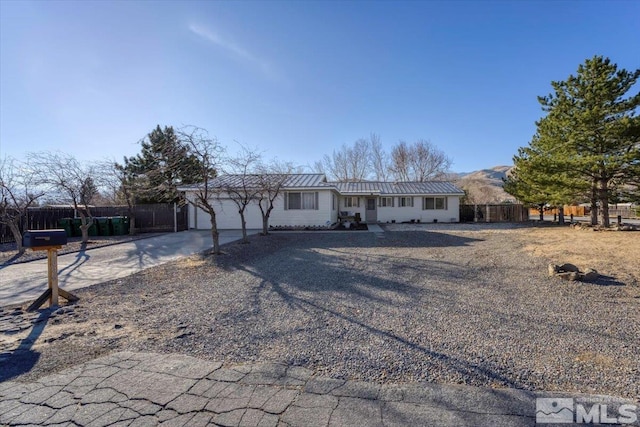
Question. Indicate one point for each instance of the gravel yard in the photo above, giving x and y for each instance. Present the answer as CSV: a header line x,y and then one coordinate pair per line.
x,y
464,305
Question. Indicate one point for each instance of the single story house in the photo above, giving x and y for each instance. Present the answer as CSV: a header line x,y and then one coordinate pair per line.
x,y
311,200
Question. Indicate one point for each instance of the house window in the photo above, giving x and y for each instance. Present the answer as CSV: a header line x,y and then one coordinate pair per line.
x,y
303,200
430,203
405,201
351,202
333,202
386,202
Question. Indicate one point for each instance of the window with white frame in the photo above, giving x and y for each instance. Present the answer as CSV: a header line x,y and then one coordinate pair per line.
x,y
333,202
405,201
430,203
351,202
301,200
386,202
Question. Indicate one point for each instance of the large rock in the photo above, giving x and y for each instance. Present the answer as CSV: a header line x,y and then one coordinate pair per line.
x,y
590,275
569,267
570,272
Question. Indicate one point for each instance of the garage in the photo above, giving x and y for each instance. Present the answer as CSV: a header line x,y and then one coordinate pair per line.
x,y
227,217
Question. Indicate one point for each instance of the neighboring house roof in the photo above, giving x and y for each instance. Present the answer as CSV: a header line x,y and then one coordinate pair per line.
x,y
392,188
318,180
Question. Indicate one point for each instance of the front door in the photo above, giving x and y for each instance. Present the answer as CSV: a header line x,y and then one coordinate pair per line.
x,y
371,215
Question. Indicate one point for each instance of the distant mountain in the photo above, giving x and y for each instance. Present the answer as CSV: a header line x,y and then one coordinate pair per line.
x,y
484,186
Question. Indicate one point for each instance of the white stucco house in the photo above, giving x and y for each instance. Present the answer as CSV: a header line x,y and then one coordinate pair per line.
x,y
311,200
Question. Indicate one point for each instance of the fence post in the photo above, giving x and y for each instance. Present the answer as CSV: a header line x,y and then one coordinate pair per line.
x,y
488,212
175,217
619,219
475,213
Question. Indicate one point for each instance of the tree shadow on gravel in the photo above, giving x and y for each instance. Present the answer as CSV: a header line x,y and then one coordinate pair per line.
x,y
424,239
465,368
235,253
309,277
603,280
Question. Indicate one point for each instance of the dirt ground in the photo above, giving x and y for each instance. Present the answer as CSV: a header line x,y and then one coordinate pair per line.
x,y
611,253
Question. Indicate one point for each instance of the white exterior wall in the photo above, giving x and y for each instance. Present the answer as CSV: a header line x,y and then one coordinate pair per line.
x,y
354,209
301,217
402,213
227,216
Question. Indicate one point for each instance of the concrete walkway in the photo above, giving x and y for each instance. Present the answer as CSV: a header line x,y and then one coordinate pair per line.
x,y
146,389
25,282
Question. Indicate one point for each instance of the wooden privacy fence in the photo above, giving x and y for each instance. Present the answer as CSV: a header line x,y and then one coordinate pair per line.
x,y
568,210
625,212
630,213
148,218
506,212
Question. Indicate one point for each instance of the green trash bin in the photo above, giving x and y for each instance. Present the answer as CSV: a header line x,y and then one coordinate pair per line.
x,y
75,226
126,225
66,224
116,224
104,226
77,232
120,225
93,229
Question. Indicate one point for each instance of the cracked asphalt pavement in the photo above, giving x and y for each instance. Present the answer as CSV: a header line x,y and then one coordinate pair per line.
x,y
147,389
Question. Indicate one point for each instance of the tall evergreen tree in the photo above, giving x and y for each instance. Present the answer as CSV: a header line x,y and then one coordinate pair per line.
x,y
163,163
594,128
589,141
538,180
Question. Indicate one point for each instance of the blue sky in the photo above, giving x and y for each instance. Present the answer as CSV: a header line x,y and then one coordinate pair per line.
x,y
295,79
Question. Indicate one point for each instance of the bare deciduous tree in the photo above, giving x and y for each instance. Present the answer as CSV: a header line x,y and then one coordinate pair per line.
x,y
349,163
400,167
420,161
318,167
72,180
271,178
428,161
120,187
242,188
379,158
18,193
208,152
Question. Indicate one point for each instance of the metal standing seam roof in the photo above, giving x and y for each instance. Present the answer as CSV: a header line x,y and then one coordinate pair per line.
x,y
318,180
297,180
382,188
305,180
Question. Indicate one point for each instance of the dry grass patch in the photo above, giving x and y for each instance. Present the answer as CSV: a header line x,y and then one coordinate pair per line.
x,y
592,358
191,262
612,253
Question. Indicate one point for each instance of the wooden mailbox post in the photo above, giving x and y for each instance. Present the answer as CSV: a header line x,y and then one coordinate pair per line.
x,y
50,241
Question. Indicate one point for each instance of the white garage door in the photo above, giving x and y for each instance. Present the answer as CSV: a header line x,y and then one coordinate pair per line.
x,y
228,218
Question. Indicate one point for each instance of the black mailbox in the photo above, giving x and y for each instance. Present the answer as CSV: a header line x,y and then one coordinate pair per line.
x,y
40,238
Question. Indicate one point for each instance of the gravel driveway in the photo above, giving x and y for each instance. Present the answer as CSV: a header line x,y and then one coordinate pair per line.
x,y
430,304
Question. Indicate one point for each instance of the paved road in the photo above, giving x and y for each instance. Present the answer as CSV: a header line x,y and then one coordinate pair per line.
x,y
25,282
147,389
